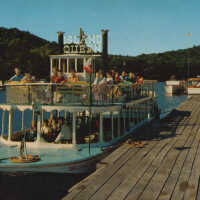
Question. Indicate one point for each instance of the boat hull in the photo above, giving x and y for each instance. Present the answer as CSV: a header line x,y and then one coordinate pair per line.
x,y
193,90
174,87
80,166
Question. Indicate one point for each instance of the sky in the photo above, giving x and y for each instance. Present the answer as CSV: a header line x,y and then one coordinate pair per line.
x,y
135,26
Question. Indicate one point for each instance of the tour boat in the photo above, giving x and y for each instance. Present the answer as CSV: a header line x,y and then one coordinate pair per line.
x,y
193,86
99,117
174,87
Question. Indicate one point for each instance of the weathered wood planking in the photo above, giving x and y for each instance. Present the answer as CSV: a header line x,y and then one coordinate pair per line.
x,y
93,187
182,184
149,176
123,149
172,179
145,155
155,186
193,182
89,187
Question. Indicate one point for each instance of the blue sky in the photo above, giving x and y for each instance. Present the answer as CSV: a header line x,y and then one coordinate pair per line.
x,y
135,26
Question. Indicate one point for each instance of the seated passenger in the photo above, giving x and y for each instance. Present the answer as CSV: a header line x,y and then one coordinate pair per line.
x,y
33,130
102,79
59,124
140,79
117,78
54,70
27,78
46,129
65,133
109,78
18,76
172,78
53,78
123,76
73,77
132,77
97,79
54,125
51,117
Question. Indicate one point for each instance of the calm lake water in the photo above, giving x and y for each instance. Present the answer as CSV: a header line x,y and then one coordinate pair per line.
x,y
167,103
55,186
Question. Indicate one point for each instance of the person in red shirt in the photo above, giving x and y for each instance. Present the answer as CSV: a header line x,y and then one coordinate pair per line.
x,y
57,77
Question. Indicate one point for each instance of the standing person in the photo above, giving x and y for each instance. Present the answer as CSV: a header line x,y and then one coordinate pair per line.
x,y
65,133
109,78
27,78
18,76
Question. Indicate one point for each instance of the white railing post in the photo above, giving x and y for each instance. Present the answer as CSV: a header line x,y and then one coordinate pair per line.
x,y
22,120
10,124
119,123
101,127
74,128
112,125
2,123
38,127
67,65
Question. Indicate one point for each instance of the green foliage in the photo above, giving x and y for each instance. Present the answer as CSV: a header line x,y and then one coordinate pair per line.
x,y
162,65
25,50
31,53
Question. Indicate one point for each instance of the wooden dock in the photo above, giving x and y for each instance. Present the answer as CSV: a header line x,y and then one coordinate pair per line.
x,y
168,167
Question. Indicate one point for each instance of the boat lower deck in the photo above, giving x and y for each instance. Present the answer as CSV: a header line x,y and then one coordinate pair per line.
x,y
166,168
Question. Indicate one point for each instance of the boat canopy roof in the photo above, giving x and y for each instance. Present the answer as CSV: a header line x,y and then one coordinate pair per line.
x,y
95,109
63,56
194,79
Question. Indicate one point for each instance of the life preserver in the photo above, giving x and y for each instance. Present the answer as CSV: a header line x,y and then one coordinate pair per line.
x,y
30,158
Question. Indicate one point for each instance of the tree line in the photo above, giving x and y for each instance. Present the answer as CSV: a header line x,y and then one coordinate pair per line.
x,y
31,53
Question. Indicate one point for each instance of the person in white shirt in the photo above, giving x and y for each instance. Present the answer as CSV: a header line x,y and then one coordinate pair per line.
x,y
65,133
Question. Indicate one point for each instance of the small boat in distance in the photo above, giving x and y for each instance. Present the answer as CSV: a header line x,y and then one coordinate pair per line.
x,y
173,86
193,85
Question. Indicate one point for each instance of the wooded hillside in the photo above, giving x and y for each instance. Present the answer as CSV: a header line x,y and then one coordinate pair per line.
x,y
23,49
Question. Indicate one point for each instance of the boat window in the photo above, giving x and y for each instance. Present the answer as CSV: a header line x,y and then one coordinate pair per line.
x,y
86,128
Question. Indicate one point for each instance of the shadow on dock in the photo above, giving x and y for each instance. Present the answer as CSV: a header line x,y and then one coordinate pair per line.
x,y
160,129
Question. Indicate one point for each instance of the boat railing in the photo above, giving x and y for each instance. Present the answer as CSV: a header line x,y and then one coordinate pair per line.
x,y
76,94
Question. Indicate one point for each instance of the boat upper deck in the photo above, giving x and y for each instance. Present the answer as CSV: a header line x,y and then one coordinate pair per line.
x,y
75,94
